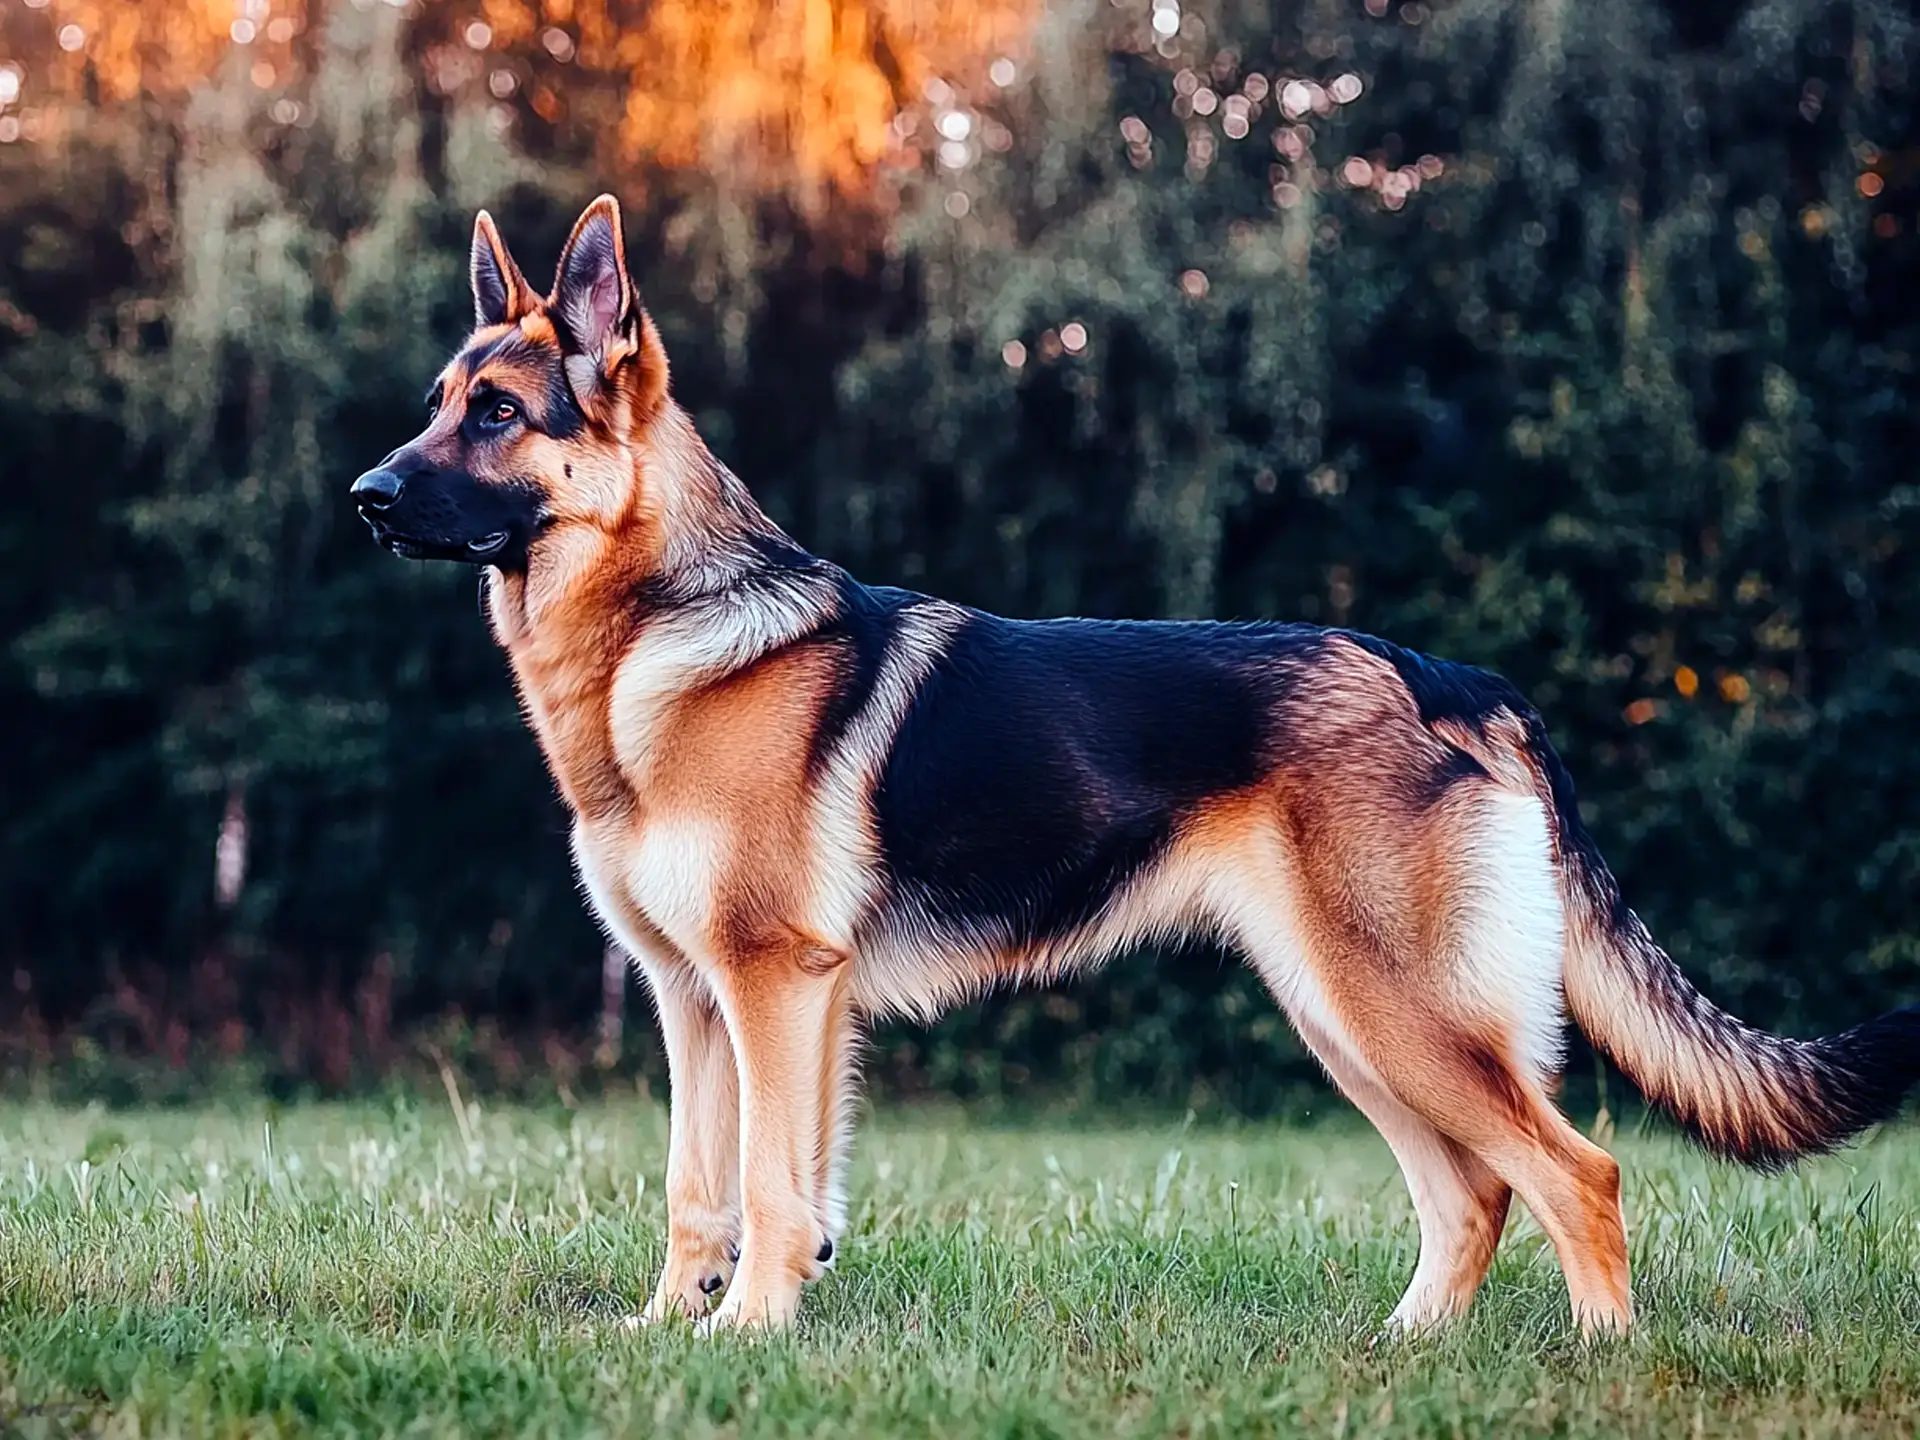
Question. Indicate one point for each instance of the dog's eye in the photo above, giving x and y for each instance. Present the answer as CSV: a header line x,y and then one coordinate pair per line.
x,y
504,412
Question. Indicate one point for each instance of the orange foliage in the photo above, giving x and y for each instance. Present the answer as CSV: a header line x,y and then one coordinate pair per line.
x,y
766,91
157,46
783,89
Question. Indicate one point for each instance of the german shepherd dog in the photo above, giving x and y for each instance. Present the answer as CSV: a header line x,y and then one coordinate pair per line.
x,y
800,802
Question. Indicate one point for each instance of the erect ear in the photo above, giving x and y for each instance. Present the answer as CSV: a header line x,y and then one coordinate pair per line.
x,y
501,294
602,325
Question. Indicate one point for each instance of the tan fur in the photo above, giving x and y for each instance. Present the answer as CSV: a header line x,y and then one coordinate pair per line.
x,y
1461,1204
1379,899
1731,1090
750,984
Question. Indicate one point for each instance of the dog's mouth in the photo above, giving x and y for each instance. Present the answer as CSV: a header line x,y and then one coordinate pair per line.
x,y
487,546
416,547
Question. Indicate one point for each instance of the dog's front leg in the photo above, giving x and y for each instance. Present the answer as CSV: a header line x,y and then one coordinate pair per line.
x,y
703,1156
786,1009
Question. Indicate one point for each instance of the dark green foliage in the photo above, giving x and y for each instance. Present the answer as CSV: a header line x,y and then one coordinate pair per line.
x,y
1620,401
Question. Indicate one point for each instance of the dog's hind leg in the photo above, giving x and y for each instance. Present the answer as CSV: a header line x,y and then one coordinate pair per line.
x,y
1422,954
1492,1116
1466,1088
703,1156
1461,1204
1470,1039
1462,1074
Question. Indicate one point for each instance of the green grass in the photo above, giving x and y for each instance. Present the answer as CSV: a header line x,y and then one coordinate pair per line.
x,y
356,1270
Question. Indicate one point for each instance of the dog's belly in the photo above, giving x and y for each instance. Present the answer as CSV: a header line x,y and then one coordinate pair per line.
x,y
913,959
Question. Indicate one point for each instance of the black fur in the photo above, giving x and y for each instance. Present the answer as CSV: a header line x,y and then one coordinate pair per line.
x,y
1829,1090
440,511
1044,763
1430,788
1869,1071
1444,690
560,412
501,345
489,284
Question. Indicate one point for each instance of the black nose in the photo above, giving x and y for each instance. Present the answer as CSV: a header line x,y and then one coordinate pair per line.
x,y
377,489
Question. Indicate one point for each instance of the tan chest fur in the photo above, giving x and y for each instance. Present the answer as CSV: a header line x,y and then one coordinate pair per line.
x,y
693,811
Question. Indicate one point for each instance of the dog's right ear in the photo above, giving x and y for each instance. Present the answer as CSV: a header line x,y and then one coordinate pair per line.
x,y
609,341
501,294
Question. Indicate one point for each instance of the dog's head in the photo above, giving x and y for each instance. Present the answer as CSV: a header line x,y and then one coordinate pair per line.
x,y
531,428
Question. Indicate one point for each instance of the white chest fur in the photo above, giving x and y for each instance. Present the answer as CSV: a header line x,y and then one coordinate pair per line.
x,y
652,878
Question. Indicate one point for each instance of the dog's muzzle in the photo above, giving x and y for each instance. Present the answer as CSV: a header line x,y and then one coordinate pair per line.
x,y
378,492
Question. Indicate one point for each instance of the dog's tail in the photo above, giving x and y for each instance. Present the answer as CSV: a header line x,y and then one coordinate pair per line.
x,y
1743,1094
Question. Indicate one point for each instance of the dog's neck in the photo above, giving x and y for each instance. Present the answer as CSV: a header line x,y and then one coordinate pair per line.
x,y
692,537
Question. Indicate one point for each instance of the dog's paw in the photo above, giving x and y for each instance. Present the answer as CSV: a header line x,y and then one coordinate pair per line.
x,y
668,1306
767,1311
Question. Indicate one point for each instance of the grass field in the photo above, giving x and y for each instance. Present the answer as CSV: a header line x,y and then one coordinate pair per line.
x,y
413,1271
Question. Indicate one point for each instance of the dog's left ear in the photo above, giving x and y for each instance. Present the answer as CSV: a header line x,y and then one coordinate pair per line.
x,y
608,338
